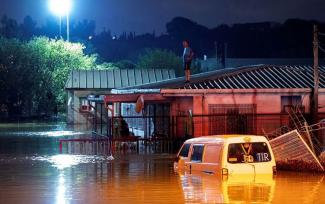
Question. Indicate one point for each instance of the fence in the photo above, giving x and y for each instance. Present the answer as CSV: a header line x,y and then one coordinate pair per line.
x,y
185,126
167,133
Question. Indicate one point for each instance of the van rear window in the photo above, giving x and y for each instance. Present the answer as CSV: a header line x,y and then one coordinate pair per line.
x,y
248,152
184,151
197,153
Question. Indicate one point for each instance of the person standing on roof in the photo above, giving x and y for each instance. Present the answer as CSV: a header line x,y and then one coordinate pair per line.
x,y
187,59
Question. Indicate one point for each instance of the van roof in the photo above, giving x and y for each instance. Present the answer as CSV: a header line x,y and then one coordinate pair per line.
x,y
227,138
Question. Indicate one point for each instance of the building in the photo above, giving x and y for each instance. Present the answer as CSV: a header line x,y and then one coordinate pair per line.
x,y
250,100
84,83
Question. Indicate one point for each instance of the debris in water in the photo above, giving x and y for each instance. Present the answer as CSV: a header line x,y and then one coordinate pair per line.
x,y
293,153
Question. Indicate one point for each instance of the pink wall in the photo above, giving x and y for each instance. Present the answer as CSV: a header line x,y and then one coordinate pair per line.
x,y
180,107
266,103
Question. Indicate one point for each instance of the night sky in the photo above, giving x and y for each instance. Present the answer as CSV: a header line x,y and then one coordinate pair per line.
x,y
152,15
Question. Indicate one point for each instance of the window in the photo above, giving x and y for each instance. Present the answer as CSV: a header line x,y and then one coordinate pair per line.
x,y
212,153
197,153
84,105
184,151
248,152
232,119
290,102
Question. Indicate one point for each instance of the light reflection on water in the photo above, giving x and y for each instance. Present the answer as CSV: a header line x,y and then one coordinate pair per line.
x,y
36,138
143,179
61,194
42,129
32,171
45,133
62,161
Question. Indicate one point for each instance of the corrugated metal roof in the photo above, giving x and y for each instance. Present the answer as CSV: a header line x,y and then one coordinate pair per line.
x,y
263,77
117,78
249,77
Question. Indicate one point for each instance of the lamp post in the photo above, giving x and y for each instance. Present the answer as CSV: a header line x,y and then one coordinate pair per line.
x,y
62,8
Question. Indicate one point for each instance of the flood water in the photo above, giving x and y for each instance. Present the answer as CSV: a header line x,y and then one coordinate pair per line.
x,y
33,171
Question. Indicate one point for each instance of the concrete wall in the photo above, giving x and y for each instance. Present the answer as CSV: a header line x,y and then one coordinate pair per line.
x,y
268,108
266,103
74,115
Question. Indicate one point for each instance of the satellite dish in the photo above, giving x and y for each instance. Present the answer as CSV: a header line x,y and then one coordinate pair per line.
x,y
140,104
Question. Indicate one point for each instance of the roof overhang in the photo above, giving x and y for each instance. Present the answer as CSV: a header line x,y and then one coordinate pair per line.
x,y
186,92
133,97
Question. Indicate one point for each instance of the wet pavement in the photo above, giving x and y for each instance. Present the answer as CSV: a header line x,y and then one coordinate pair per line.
x,y
33,171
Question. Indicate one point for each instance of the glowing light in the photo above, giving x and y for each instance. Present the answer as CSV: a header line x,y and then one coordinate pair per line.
x,y
60,7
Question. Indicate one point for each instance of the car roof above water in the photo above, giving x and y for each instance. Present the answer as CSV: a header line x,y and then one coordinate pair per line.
x,y
227,139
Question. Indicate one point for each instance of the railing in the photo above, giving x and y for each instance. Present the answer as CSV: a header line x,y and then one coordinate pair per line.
x,y
105,146
167,133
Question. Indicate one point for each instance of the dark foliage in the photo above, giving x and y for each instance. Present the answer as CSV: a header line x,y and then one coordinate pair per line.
x,y
292,39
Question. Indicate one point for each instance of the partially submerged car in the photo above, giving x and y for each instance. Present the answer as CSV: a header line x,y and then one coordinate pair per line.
x,y
226,155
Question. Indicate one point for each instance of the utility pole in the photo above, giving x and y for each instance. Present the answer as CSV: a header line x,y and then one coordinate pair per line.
x,y
314,107
68,27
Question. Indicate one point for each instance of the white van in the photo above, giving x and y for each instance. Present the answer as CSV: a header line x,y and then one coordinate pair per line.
x,y
226,155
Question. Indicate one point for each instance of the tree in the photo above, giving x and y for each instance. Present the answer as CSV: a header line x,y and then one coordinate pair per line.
x,y
180,29
125,64
14,79
107,66
59,59
160,59
28,28
9,27
33,73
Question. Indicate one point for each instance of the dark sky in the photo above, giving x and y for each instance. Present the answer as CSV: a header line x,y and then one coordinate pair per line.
x,y
148,15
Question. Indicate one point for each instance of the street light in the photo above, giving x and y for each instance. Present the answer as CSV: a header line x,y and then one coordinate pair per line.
x,y
62,8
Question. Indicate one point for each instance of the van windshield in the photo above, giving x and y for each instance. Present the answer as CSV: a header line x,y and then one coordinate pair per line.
x,y
248,152
184,151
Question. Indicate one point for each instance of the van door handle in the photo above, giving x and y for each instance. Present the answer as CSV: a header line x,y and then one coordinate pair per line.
x,y
208,172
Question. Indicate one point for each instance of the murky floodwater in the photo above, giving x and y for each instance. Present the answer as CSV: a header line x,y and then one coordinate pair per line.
x,y
33,171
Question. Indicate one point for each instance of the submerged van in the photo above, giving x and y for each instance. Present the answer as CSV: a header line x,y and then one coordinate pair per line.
x,y
205,188
226,155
